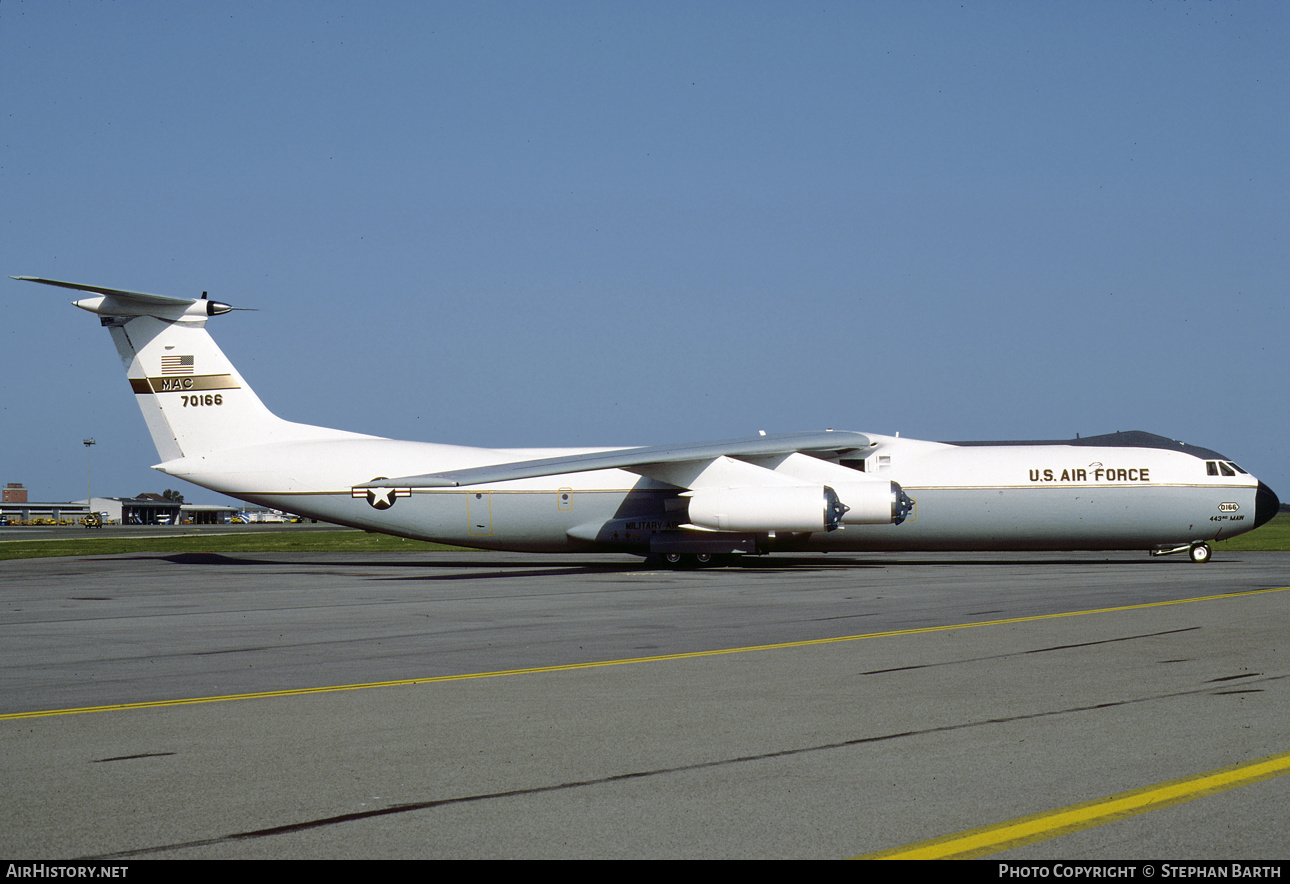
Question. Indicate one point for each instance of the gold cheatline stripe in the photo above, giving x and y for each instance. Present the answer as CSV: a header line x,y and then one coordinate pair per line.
x,y
988,840
596,664
184,383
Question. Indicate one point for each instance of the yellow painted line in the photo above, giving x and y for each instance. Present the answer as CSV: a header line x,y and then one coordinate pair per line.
x,y
988,840
597,664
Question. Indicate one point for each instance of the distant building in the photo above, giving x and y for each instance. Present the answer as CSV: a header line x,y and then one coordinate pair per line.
x,y
153,509
33,511
207,514
146,509
15,507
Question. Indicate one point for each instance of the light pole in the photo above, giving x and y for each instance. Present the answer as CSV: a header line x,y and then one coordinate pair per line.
x,y
88,498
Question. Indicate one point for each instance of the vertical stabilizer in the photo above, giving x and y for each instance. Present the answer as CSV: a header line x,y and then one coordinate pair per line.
x,y
192,398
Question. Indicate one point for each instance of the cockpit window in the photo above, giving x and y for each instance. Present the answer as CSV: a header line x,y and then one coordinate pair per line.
x,y
1211,468
1238,469
1227,471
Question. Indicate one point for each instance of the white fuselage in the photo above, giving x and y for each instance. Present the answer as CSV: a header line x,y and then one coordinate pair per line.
x,y
1043,496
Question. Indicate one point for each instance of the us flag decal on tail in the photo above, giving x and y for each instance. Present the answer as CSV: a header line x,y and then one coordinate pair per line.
x,y
176,365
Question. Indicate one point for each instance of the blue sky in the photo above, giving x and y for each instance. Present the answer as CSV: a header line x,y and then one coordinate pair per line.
x,y
565,224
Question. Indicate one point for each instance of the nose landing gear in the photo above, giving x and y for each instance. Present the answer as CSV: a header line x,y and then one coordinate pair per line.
x,y
1198,552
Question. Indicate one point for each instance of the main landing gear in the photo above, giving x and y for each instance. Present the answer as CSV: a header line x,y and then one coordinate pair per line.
x,y
694,560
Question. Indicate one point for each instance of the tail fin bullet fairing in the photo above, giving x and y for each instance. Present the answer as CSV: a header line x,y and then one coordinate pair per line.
x,y
685,503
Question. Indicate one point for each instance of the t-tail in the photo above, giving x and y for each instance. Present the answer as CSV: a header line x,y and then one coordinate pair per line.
x,y
194,401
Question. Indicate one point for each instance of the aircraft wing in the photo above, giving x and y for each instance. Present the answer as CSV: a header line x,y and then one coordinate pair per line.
x,y
638,459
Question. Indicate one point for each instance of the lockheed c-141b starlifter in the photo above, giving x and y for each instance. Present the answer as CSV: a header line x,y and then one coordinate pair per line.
x,y
686,504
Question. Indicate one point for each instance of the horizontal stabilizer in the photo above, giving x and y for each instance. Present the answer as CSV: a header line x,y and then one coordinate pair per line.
x,y
119,301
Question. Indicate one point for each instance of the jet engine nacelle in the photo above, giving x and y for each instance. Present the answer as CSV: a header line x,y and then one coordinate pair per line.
x,y
799,507
874,503
791,508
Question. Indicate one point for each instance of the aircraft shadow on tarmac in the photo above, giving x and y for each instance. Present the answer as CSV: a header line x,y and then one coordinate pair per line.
x,y
512,568
473,570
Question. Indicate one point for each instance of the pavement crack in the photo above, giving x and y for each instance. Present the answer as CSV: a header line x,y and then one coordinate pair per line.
x,y
1105,641
132,757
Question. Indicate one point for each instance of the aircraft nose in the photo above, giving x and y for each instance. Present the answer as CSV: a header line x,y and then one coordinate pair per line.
x,y
1266,505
